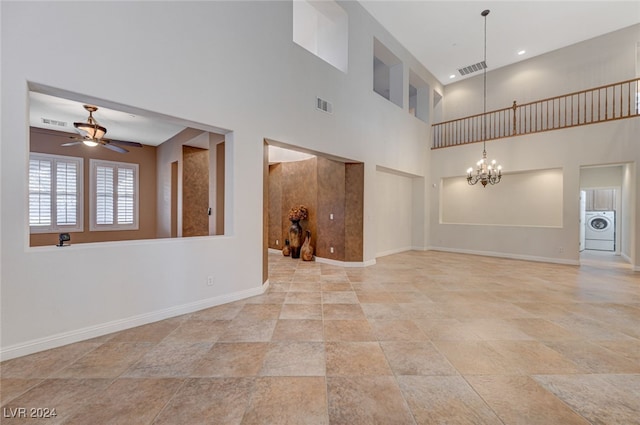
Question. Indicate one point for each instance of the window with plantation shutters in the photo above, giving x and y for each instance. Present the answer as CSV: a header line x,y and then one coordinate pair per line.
x,y
114,195
55,193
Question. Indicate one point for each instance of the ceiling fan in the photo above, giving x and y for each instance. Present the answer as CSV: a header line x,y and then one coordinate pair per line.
x,y
93,134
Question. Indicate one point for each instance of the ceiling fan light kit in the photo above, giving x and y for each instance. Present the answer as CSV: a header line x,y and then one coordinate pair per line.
x,y
93,134
91,129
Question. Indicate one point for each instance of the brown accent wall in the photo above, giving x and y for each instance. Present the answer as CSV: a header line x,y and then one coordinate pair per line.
x,y
195,191
354,212
331,200
325,187
220,161
49,141
275,223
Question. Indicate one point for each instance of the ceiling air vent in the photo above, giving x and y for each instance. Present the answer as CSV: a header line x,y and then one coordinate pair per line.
x,y
472,68
54,122
324,105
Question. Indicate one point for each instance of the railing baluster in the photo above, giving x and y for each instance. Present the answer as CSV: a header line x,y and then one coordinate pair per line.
x,y
570,110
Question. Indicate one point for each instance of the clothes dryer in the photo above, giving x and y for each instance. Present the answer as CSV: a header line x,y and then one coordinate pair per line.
x,y
600,232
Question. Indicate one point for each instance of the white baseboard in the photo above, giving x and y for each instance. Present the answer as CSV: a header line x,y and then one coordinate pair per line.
x,y
507,255
333,262
345,263
395,251
58,340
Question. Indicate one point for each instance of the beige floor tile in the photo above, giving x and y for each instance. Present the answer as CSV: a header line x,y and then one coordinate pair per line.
x,y
397,330
45,363
109,360
339,297
445,400
379,311
355,359
305,286
169,360
220,401
519,400
11,388
475,358
127,401
348,330
221,312
153,332
294,359
601,399
198,331
301,311
533,357
496,329
303,298
592,358
629,349
366,400
336,286
288,400
63,395
259,312
248,331
373,297
447,329
416,358
232,359
543,330
298,330
342,312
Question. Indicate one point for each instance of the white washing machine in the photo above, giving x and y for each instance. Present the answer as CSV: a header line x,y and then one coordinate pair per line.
x,y
600,232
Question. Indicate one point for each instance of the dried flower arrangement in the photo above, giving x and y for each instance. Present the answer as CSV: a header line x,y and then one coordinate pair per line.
x,y
298,213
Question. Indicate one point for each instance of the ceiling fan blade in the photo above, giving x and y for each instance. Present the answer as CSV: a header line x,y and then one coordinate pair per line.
x,y
72,143
113,147
124,143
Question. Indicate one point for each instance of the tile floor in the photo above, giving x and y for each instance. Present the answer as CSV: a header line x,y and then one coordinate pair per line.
x,y
419,338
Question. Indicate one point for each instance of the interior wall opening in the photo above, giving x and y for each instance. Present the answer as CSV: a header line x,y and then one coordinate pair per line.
x,y
177,188
329,187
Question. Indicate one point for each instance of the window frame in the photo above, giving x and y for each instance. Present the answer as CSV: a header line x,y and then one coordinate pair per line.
x,y
115,165
54,227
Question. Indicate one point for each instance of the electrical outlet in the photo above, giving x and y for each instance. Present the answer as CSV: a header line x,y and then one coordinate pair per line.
x,y
330,216
210,281
277,242
331,250
560,250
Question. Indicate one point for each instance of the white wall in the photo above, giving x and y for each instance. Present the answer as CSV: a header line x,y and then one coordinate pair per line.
x,y
592,63
229,65
394,212
564,149
532,198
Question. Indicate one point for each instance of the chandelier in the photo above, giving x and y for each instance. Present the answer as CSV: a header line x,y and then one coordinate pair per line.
x,y
486,172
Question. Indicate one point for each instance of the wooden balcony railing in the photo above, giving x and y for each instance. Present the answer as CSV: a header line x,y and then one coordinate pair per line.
x,y
605,103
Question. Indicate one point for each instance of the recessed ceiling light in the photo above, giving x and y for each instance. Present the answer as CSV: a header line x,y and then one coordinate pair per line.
x,y
522,52
452,76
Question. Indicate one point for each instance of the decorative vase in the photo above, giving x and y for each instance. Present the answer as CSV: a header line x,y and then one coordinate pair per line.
x,y
295,238
307,250
286,250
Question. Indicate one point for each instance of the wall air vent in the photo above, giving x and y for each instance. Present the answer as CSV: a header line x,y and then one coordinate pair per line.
x,y
324,106
472,68
53,122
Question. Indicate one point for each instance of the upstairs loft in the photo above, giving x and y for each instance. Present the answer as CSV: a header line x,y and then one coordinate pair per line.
x,y
600,104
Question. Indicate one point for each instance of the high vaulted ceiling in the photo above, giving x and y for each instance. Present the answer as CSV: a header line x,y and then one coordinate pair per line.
x,y
447,35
